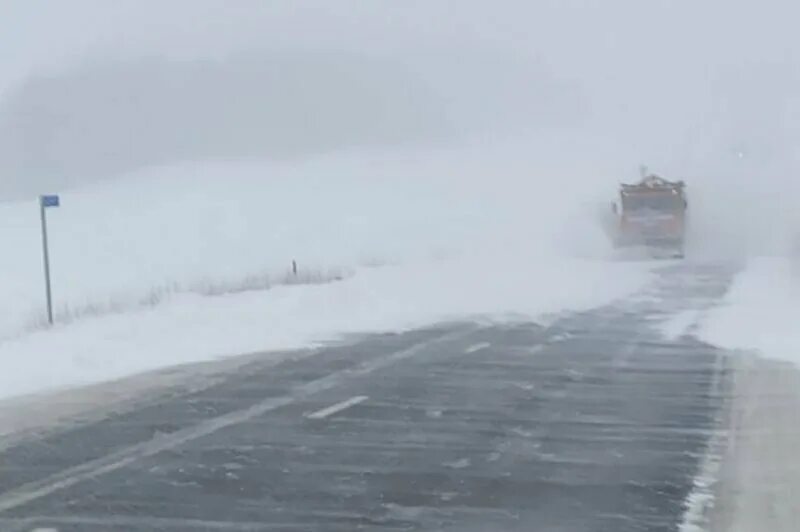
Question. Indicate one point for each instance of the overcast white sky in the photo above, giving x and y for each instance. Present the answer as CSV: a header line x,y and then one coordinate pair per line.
x,y
700,75
612,46
593,39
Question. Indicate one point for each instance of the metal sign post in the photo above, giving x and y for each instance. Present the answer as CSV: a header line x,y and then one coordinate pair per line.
x,y
46,202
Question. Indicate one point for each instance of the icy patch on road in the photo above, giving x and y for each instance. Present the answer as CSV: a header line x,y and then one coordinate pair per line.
x,y
760,312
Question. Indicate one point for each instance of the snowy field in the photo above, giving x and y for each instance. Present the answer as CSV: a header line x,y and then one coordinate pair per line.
x,y
761,311
170,265
190,328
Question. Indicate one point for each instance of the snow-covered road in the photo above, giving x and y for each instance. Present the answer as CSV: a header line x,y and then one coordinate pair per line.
x,y
596,422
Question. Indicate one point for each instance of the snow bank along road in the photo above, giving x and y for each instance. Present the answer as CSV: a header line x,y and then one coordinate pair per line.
x,y
597,422
760,478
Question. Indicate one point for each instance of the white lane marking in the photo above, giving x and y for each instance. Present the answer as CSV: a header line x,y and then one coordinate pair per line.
x,y
701,498
338,407
477,347
164,442
115,522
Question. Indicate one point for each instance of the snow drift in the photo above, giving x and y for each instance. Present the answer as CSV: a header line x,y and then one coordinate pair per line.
x,y
760,311
189,328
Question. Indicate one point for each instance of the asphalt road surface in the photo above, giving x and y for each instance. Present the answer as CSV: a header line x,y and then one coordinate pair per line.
x,y
595,422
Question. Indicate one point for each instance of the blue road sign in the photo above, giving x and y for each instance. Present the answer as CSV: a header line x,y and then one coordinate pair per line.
x,y
51,201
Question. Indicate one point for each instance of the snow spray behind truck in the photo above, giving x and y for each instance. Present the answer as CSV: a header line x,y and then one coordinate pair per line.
x,y
651,215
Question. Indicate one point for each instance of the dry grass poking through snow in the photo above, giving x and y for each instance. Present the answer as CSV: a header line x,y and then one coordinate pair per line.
x,y
67,314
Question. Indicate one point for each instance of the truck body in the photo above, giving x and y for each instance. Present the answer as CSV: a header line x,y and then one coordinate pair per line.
x,y
651,214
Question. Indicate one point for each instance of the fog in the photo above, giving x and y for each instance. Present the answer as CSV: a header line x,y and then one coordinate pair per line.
x,y
703,91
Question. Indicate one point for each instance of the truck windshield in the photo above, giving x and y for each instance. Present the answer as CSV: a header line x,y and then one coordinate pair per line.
x,y
656,202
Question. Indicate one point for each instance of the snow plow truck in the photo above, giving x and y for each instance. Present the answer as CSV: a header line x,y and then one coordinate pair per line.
x,y
651,216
